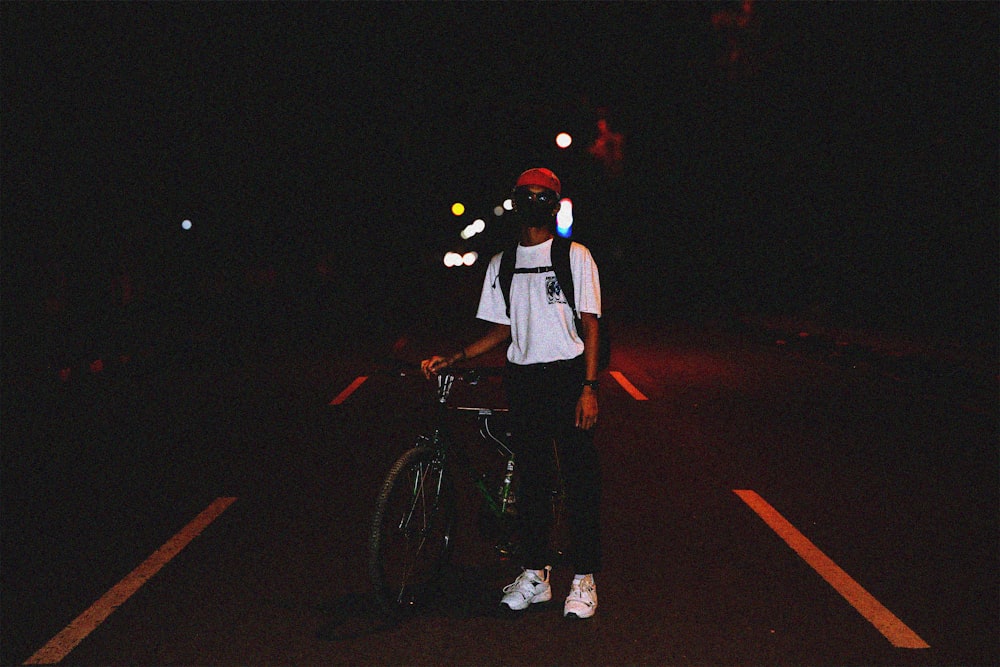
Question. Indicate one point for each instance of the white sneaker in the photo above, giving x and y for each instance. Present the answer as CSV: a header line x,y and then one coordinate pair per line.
x,y
582,599
527,589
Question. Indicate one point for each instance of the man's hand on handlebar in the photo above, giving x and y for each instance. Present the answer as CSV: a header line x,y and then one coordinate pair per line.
x,y
434,364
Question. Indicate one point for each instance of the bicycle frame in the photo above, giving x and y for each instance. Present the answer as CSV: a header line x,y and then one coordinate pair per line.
x,y
411,536
500,502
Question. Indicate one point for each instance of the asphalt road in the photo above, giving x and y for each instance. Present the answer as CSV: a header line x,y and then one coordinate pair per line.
x,y
885,462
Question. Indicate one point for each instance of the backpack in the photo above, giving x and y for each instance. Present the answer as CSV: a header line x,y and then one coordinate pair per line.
x,y
564,276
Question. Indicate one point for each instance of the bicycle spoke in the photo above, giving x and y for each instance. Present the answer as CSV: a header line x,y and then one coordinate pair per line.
x,y
410,534
419,498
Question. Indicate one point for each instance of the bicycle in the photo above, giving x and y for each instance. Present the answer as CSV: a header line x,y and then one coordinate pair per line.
x,y
412,530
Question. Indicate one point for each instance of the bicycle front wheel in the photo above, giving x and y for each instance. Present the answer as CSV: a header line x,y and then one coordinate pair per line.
x,y
411,530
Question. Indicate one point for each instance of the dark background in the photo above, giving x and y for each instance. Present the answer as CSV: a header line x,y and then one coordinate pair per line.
x,y
799,256
836,161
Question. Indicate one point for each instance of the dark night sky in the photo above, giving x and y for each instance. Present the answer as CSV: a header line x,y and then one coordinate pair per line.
x,y
854,169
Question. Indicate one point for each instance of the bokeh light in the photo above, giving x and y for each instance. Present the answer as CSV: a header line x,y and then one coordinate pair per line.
x,y
564,218
563,140
186,224
458,208
474,228
453,259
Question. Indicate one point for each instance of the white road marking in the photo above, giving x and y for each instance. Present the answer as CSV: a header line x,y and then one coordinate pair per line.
x,y
342,396
884,620
628,386
59,646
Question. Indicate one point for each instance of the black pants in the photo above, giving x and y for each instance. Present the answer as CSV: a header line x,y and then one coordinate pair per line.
x,y
542,399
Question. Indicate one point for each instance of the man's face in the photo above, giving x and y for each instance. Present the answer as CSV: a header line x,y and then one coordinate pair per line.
x,y
536,206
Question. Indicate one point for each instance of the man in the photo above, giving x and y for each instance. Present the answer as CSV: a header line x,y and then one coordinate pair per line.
x,y
551,384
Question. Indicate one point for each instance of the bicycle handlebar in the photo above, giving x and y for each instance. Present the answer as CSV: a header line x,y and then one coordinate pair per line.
x,y
469,375
446,380
473,375
482,412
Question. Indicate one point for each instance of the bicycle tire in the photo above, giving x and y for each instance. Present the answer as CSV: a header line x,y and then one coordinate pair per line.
x,y
411,531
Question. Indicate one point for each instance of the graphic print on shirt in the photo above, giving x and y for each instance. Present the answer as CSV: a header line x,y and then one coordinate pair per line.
x,y
552,290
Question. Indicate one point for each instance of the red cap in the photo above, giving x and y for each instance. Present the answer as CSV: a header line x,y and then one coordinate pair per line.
x,y
540,177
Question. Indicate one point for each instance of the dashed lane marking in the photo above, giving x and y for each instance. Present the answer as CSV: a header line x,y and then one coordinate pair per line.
x,y
884,620
628,386
59,646
343,396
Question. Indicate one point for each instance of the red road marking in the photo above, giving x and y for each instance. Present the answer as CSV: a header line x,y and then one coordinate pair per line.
x,y
628,386
59,646
342,396
884,620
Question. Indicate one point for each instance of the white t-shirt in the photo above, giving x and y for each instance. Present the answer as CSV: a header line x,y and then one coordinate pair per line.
x,y
541,322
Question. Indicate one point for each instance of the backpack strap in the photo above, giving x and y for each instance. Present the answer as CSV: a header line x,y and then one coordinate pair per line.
x,y
564,274
560,264
507,261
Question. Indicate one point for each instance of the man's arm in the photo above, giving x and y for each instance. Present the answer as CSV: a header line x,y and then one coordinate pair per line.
x,y
591,337
496,335
586,406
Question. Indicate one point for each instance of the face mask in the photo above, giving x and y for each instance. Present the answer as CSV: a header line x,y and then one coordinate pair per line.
x,y
535,215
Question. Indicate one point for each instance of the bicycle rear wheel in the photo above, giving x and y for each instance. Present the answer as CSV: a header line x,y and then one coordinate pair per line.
x,y
411,530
